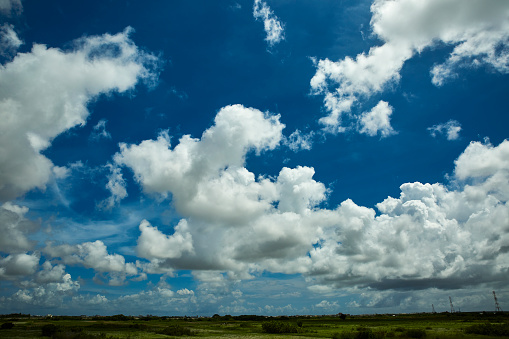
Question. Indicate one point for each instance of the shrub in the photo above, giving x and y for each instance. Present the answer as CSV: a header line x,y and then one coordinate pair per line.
x,y
344,335
489,329
279,327
416,333
138,326
176,330
80,335
49,330
365,333
7,326
361,333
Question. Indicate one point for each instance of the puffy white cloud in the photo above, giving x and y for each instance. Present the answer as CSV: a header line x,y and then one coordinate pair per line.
x,y
94,255
273,27
327,305
33,112
233,221
14,228
297,190
50,273
190,170
160,299
430,236
61,172
154,244
98,299
451,129
478,32
355,246
51,294
18,265
377,120
185,291
482,160
236,225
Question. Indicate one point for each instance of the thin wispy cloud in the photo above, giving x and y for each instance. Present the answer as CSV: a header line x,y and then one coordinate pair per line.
x,y
451,130
274,28
99,131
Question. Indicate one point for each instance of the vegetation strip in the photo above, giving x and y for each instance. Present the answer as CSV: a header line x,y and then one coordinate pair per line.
x,y
425,325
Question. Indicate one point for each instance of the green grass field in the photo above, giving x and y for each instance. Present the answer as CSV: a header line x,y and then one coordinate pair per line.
x,y
444,325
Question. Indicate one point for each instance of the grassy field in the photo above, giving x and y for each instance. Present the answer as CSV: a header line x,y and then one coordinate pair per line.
x,y
444,325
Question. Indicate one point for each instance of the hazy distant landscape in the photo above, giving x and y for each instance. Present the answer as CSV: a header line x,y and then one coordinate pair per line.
x,y
421,325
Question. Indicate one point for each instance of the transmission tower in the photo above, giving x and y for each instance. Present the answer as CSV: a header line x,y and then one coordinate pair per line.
x,y
497,306
452,307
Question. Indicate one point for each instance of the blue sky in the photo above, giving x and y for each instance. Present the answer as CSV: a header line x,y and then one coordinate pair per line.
x,y
253,157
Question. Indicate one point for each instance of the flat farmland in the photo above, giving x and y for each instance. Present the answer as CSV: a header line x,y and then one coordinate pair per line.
x,y
443,325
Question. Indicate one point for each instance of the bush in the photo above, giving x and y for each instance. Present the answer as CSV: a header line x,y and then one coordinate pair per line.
x,y
49,330
279,327
176,330
56,332
7,326
80,335
138,326
346,335
497,330
361,333
416,333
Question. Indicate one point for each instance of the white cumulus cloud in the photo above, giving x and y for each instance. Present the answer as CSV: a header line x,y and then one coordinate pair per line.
x,y
152,243
18,265
233,218
15,228
377,121
392,250
94,255
237,224
33,113
477,30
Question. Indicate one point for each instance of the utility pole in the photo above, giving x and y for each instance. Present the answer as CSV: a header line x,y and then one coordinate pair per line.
x,y
497,306
452,307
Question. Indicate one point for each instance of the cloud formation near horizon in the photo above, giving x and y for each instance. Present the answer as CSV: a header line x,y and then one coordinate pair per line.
x,y
236,222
